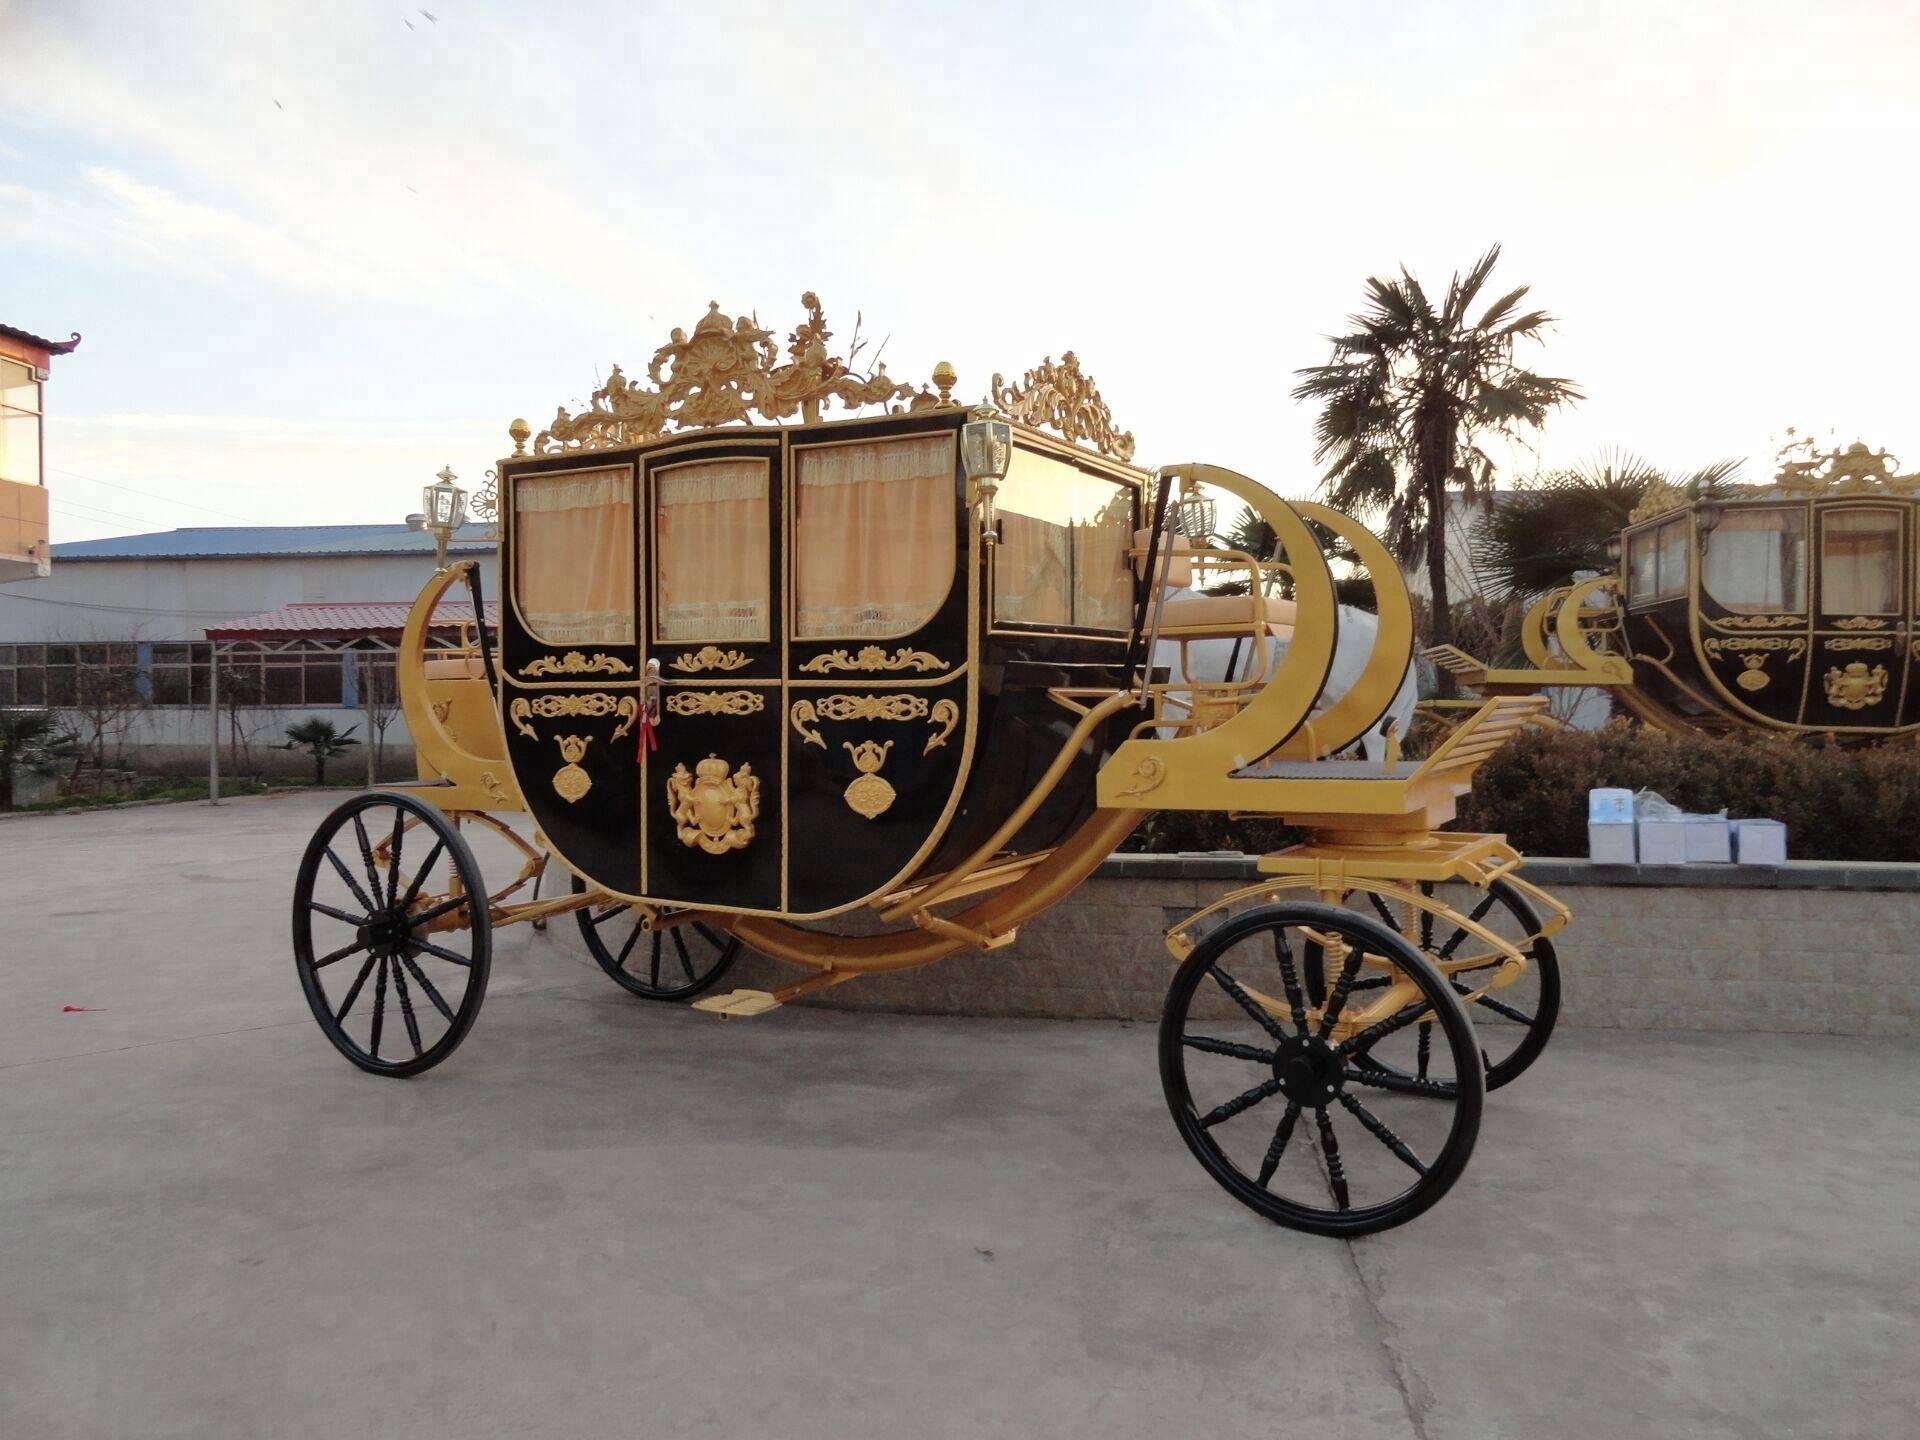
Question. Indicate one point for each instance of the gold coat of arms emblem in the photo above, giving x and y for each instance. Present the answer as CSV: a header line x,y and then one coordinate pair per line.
x,y
1856,687
715,806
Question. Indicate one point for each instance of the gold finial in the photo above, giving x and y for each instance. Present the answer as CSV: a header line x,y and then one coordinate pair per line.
x,y
944,379
518,432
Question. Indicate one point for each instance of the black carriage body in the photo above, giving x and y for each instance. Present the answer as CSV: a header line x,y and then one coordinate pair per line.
x,y
1787,612
807,754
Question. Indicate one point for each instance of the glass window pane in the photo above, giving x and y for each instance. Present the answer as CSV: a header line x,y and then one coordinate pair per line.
x,y
19,447
323,680
712,522
61,654
168,685
30,655
18,389
33,685
60,686
1671,542
573,556
1062,556
283,682
1756,560
873,537
1859,562
9,689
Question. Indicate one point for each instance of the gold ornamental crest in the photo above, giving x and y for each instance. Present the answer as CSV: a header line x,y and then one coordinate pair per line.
x,y
1856,687
869,795
714,807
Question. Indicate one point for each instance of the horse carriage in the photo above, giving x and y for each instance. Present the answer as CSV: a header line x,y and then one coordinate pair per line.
x,y
1791,606
864,691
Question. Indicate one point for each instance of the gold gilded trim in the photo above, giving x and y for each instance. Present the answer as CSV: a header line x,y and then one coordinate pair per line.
x,y
730,370
1855,470
575,663
711,808
869,795
874,657
1740,645
592,706
803,717
1759,622
946,714
709,657
872,707
1862,642
1856,687
1861,622
715,702
570,782
1063,397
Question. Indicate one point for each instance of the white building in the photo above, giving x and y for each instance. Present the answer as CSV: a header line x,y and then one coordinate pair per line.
x,y
138,608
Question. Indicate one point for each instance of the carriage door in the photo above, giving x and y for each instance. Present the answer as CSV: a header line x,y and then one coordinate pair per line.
x,y
1860,636
711,779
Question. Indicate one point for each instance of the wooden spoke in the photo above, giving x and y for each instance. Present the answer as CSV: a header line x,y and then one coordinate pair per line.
x,y
413,889
1460,934
1290,979
438,952
1227,1047
686,960
434,912
406,1009
1282,1133
334,914
1246,1002
341,954
366,853
427,987
379,1003
1380,1029
1245,1100
353,993
1336,1172
1380,1131
352,884
627,949
1341,988
393,864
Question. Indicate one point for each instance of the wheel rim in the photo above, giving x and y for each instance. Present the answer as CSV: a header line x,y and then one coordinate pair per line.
x,y
1265,1086
1512,1023
654,961
393,954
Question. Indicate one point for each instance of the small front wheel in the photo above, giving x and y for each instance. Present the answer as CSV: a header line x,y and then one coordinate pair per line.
x,y
1269,1088
393,951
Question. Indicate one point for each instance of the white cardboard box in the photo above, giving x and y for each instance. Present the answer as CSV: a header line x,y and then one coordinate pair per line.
x,y
1610,844
1759,842
1709,839
1609,807
1662,842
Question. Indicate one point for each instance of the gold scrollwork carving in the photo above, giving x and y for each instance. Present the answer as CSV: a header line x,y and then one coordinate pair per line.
x,y
1856,687
1146,776
712,808
1861,622
729,370
709,657
872,707
1755,676
874,657
574,663
1063,397
804,718
1861,642
1792,644
592,706
1855,470
715,702
1759,622
869,795
495,791
570,782
946,714
1658,498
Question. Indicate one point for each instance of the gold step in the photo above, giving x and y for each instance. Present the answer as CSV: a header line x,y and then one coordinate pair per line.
x,y
739,1004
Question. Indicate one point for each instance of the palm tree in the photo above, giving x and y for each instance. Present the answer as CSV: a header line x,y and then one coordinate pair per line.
x,y
1409,397
1538,537
31,740
320,740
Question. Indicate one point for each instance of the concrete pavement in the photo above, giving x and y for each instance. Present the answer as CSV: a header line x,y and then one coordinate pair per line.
x,y
609,1218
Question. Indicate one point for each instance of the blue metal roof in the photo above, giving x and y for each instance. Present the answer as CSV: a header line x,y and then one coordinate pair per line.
x,y
233,541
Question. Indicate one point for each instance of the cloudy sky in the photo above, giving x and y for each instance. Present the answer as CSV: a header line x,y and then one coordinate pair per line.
x,y
317,251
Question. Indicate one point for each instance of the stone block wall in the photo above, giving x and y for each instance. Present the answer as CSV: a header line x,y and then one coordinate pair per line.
x,y
1806,947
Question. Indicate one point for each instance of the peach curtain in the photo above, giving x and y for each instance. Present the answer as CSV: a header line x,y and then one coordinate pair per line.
x,y
573,556
873,537
1859,562
1031,575
711,549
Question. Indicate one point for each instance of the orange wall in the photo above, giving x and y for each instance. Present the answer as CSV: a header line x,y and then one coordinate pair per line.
x,y
23,527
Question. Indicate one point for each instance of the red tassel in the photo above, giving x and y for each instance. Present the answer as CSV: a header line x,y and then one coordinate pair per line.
x,y
648,740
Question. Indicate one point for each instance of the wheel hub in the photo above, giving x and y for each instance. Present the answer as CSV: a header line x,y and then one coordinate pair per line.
x,y
1309,1072
385,933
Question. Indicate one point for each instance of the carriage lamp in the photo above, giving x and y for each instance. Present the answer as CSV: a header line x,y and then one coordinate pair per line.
x,y
1613,548
986,449
445,505
1707,515
1195,514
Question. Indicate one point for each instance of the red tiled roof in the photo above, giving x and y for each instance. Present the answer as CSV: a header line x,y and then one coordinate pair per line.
x,y
40,342
323,620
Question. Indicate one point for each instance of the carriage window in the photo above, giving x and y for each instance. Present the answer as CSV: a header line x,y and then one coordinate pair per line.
x,y
1657,562
1062,557
711,548
1756,560
573,556
1859,562
873,537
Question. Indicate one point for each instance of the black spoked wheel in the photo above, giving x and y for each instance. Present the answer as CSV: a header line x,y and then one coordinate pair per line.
x,y
1512,1024
392,950
670,962
1266,1086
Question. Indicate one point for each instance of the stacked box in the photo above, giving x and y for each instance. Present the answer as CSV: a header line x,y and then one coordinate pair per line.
x,y
1709,839
1610,827
1662,841
1759,842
